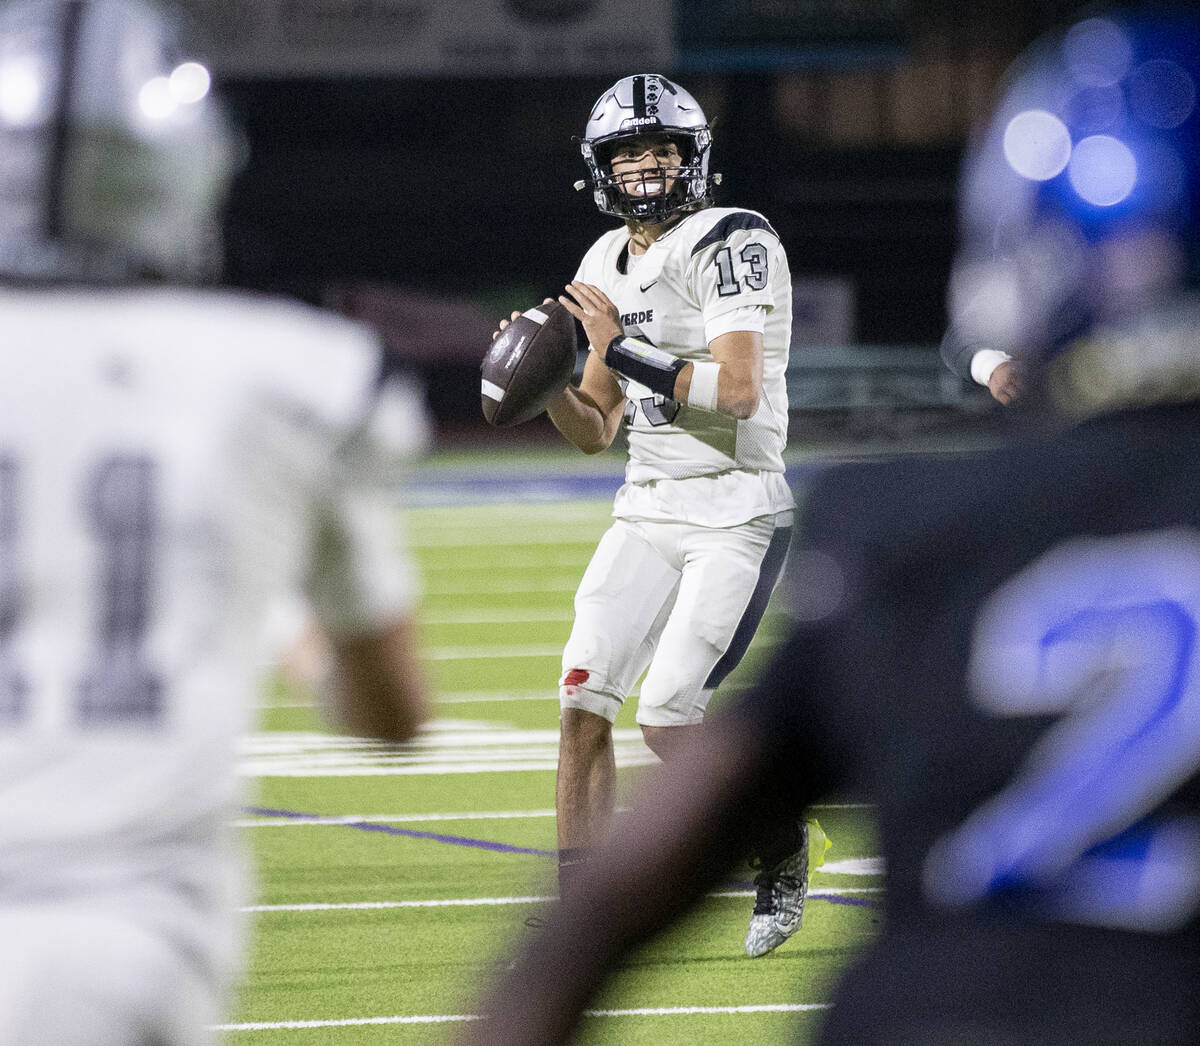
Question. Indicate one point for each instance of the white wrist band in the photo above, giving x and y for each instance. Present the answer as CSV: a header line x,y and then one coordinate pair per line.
x,y
984,362
702,392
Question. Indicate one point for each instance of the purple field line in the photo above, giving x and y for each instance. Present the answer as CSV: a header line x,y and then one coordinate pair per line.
x,y
487,844
409,833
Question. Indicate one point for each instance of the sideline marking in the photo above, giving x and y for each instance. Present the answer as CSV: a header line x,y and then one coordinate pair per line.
x,y
447,1018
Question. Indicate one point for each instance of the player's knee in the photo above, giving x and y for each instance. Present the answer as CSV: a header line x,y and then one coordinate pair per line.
x,y
577,690
664,741
672,697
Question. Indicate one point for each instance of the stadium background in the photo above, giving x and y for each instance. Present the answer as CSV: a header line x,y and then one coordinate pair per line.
x,y
411,162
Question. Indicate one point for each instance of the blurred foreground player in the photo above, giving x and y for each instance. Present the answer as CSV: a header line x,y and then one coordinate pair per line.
x,y
169,459
687,309
1008,668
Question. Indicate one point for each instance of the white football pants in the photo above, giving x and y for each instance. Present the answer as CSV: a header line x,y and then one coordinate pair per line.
x,y
682,599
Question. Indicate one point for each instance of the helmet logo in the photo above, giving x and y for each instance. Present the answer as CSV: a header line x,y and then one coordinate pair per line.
x,y
653,91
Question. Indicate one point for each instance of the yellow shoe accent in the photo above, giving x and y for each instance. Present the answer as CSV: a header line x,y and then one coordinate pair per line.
x,y
818,844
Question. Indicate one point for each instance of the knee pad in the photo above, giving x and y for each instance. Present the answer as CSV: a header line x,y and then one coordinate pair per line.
x,y
671,698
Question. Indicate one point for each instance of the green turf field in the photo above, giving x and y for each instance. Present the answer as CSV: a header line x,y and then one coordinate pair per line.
x,y
393,879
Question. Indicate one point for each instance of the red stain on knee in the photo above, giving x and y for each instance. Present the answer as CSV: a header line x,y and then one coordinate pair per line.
x,y
575,679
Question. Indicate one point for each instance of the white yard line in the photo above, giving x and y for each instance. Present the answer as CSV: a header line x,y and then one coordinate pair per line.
x,y
468,697
833,867
557,583
511,535
354,906
495,617
663,1011
343,819
452,697
493,902
445,746
491,653
487,562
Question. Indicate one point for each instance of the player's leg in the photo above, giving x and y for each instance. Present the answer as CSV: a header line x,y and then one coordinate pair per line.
x,y
622,599
727,576
727,580
587,773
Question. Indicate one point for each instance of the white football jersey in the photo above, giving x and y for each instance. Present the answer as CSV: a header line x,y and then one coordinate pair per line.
x,y
170,461
718,270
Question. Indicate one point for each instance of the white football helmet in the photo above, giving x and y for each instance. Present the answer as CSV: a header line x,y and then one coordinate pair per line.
x,y
114,159
647,105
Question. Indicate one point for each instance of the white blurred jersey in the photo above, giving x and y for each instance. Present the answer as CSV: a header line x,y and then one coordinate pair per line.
x,y
169,461
718,270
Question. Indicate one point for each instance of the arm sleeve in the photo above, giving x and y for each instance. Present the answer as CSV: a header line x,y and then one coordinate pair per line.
x,y
747,318
958,351
362,575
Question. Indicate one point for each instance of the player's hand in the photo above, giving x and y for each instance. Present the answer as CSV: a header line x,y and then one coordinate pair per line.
x,y
516,312
599,316
1007,383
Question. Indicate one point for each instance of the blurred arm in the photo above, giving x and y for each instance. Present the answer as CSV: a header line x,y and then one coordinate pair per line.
x,y
379,686
686,831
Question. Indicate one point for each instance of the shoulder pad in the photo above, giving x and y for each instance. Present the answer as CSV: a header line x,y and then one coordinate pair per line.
x,y
730,223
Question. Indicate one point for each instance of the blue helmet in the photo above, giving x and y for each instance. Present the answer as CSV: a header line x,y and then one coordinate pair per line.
x,y
114,158
1080,201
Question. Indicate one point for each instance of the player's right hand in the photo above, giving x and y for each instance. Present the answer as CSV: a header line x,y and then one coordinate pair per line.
x,y
1007,383
515,314
505,323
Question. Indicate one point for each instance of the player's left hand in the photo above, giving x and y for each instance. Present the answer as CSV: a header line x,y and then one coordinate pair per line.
x,y
599,316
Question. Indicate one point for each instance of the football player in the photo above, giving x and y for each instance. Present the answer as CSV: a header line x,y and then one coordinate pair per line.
x,y
687,310
1009,669
169,459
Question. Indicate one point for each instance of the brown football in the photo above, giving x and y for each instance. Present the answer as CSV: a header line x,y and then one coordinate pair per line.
x,y
531,361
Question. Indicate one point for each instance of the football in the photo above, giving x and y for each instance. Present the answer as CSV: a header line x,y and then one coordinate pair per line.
x,y
531,360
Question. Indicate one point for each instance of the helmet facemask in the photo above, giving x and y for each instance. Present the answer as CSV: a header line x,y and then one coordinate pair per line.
x,y
648,108
641,194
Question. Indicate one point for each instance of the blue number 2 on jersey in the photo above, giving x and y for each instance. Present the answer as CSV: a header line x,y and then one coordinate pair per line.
x,y
1102,634
118,508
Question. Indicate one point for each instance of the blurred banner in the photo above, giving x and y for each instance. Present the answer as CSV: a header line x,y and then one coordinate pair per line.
x,y
286,38
822,311
735,34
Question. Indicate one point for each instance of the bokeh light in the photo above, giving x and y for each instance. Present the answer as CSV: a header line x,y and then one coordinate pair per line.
x,y
190,83
1162,93
1096,110
21,89
156,99
1098,52
1102,170
1037,144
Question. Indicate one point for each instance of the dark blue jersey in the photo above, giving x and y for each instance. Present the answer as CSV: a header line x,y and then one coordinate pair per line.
x,y
999,650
